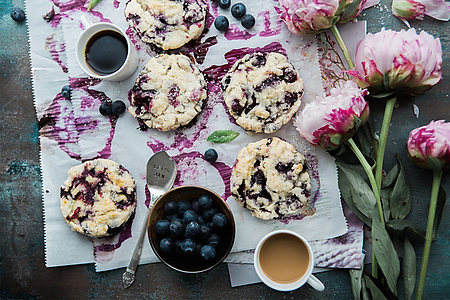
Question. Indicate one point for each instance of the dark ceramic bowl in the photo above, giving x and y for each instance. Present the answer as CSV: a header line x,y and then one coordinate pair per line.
x,y
189,263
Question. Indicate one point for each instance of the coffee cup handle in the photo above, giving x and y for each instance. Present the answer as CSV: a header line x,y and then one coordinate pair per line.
x,y
86,23
316,283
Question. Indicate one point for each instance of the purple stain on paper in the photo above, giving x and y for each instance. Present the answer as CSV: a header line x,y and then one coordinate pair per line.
x,y
105,247
235,33
268,30
55,48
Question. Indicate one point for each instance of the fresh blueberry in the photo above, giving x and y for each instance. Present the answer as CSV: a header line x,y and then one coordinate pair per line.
x,y
170,207
208,252
192,229
248,21
219,220
162,227
178,246
105,109
176,228
201,220
118,107
17,14
65,91
221,23
172,217
210,155
183,206
209,213
205,201
224,3
213,240
195,206
188,245
205,232
166,245
238,10
189,216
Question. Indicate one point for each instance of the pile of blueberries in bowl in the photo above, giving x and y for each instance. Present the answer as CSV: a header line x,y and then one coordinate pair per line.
x,y
191,229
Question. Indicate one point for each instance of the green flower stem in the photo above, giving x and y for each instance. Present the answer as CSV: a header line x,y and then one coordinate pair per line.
x,y
389,109
437,176
376,193
341,44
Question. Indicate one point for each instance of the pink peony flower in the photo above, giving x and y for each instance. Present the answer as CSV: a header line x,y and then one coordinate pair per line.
x,y
429,146
314,16
412,9
328,122
398,62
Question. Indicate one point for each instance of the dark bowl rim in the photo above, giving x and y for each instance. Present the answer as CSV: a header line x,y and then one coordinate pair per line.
x,y
233,226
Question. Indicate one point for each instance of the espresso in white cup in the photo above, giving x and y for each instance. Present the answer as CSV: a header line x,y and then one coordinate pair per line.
x,y
104,51
284,261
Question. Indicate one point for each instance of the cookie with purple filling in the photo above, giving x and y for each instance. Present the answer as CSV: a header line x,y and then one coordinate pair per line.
x,y
169,92
262,91
169,24
98,197
270,179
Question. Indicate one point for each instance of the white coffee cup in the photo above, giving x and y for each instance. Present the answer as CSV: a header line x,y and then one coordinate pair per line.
x,y
91,29
299,251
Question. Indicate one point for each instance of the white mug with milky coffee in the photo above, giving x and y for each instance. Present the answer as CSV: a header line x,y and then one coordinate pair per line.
x,y
284,261
104,51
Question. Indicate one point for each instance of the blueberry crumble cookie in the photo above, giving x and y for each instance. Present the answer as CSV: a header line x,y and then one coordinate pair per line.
x,y
168,93
262,91
98,197
270,179
169,24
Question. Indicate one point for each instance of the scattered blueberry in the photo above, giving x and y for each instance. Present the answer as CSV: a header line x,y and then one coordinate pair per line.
x,y
221,23
205,232
219,220
192,229
205,201
224,3
213,240
209,213
183,206
17,14
178,246
105,109
238,10
170,207
188,245
176,227
210,155
166,245
195,206
201,220
65,91
118,107
162,227
172,217
208,252
189,216
248,21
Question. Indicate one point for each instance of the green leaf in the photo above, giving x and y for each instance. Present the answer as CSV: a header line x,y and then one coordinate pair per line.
x,y
385,195
361,193
324,42
399,228
442,198
383,95
357,282
350,10
374,290
378,288
390,177
364,139
92,4
385,253
409,268
400,203
222,136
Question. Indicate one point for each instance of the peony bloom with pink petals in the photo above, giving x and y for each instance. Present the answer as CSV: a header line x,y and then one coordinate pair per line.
x,y
429,146
314,16
330,121
398,62
417,9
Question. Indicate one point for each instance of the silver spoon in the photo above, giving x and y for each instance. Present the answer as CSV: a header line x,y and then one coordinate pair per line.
x,y
161,173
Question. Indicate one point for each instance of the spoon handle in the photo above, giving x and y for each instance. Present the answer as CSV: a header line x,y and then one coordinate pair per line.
x,y
129,275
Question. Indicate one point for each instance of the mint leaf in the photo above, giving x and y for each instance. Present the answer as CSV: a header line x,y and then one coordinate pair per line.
x,y
222,136
93,3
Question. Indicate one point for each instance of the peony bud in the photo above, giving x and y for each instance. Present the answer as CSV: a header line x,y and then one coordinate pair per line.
x,y
398,62
429,146
416,9
328,122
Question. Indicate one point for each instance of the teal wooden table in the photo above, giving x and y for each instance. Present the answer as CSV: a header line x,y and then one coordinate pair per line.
x,y
22,269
